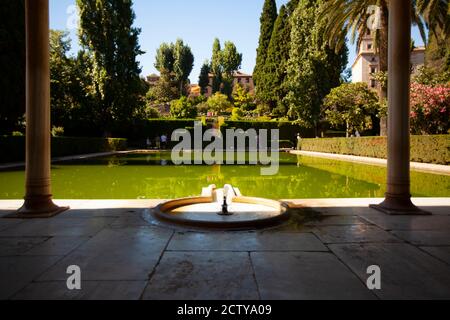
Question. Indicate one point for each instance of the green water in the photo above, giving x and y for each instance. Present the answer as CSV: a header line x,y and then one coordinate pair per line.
x,y
141,176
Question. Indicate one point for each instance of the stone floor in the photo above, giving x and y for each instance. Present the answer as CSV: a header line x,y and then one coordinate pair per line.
x,y
124,254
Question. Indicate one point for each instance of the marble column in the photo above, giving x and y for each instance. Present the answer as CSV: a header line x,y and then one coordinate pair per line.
x,y
398,195
38,198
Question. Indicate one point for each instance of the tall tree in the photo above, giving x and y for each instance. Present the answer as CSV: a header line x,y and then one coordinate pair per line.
x,y
165,59
216,66
270,89
438,53
165,90
71,104
436,14
12,64
291,6
231,62
175,59
184,62
313,67
61,68
203,80
268,17
108,36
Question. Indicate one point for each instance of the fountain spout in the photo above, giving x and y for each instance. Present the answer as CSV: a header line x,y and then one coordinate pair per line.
x,y
226,197
225,211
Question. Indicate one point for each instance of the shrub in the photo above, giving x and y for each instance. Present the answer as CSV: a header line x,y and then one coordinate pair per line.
x,y
219,104
237,114
57,131
430,109
183,108
427,149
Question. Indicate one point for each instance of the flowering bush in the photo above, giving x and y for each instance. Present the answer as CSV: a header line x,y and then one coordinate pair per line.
x,y
430,109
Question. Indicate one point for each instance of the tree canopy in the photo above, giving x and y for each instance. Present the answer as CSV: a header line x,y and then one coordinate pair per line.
x,y
270,89
351,105
267,20
12,64
109,38
203,80
313,67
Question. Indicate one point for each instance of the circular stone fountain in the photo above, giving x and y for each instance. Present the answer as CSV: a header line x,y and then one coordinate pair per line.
x,y
223,209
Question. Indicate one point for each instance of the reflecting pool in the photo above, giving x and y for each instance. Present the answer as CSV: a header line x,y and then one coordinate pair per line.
x,y
153,176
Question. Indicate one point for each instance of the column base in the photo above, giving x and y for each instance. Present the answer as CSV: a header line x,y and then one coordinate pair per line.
x,y
399,205
41,207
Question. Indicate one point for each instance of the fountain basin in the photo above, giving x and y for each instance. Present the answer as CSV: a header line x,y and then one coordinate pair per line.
x,y
204,212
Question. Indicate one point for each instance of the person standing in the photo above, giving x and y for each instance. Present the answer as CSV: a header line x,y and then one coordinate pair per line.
x,y
158,143
299,142
164,142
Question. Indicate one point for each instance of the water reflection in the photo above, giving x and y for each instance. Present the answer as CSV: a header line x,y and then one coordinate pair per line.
x,y
153,176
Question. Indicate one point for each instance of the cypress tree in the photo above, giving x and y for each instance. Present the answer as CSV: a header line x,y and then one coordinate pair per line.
x,y
270,88
268,17
313,67
216,66
108,36
203,80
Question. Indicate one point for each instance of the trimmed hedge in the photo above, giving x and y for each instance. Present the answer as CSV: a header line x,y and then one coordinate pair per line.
x,y
138,133
426,149
13,148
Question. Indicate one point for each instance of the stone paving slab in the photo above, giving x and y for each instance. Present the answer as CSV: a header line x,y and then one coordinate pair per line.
x,y
57,246
353,234
329,220
90,290
305,276
16,272
386,222
128,254
406,271
252,241
441,253
118,252
57,227
8,223
132,219
203,276
425,238
18,246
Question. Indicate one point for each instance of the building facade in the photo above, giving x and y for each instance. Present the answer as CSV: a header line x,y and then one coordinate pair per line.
x,y
367,62
245,80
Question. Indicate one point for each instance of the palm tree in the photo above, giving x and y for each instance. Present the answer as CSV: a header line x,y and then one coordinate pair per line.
x,y
353,18
436,14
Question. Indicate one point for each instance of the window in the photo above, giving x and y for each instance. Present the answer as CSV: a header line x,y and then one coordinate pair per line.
x,y
373,59
373,83
369,46
373,69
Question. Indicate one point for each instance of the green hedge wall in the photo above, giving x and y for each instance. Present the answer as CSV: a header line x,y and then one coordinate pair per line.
x,y
140,131
426,149
12,149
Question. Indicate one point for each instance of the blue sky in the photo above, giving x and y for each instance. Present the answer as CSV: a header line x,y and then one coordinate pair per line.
x,y
197,22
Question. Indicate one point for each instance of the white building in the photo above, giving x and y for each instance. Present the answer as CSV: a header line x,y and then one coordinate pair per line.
x,y
367,62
